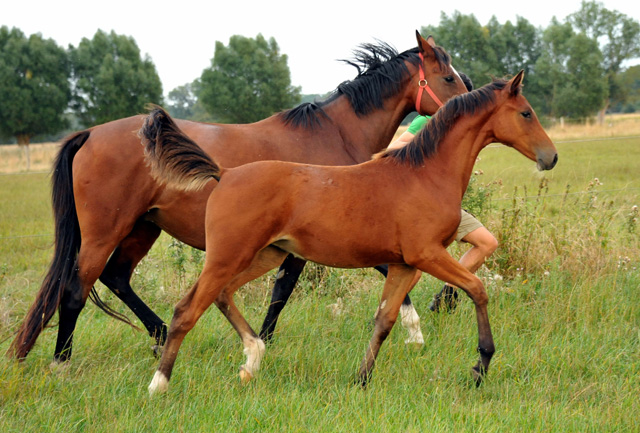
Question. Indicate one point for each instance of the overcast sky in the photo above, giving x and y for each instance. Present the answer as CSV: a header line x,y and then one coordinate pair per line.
x,y
180,36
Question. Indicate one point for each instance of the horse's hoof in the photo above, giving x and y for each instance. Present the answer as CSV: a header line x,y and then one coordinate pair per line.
x,y
59,367
478,374
159,384
245,376
417,340
157,351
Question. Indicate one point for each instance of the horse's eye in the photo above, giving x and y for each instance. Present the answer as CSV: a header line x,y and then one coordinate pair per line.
x,y
526,114
450,79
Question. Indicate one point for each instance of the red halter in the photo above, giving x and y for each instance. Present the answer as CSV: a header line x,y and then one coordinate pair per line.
x,y
422,85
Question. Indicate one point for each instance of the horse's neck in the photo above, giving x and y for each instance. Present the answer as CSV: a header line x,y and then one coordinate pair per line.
x,y
458,151
371,133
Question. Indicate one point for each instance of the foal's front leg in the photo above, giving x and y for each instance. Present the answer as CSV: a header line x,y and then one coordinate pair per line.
x,y
398,284
410,318
446,268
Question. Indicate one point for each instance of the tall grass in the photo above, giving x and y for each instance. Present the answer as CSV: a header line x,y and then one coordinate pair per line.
x,y
563,287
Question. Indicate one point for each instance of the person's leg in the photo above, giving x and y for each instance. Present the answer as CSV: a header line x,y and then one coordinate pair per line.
x,y
483,245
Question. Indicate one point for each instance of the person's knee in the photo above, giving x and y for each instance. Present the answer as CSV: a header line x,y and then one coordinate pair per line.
x,y
490,244
483,240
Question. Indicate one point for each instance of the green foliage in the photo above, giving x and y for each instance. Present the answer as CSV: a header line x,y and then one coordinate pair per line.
x,y
579,85
516,46
618,34
34,85
248,80
111,79
467,41
628,101
477,197
181,101
572,68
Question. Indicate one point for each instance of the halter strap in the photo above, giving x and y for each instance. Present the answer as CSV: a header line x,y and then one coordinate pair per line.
x,y
422,86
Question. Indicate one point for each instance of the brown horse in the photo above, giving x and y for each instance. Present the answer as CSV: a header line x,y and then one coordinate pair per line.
x,y
347,217
109,211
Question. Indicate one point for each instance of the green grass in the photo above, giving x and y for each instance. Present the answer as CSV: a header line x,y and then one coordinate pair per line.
x,y
568,342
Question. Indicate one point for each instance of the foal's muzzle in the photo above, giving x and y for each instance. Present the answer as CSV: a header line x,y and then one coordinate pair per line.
x,y
546,161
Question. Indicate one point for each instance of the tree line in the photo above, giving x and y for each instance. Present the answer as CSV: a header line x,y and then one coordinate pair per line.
x,y
574,69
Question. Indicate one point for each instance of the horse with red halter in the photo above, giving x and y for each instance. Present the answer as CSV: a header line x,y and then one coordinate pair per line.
x,y
347,217
108,209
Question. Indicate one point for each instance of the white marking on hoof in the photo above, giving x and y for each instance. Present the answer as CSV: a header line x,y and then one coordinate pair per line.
x,y
245,376
254,348
58,367
411,322
159,384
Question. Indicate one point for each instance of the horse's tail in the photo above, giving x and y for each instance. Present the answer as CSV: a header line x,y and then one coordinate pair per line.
x,y
62,271
173,157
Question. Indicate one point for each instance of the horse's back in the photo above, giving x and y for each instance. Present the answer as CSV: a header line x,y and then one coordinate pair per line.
x,y
312,211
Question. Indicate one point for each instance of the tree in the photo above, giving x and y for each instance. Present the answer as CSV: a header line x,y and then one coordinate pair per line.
x,y
181,101
618,37
34,86
248,80
570,73
467,41
111,79
515,47
630,80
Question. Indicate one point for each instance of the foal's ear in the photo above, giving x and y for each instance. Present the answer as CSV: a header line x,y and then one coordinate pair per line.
x,y
515,83
425,45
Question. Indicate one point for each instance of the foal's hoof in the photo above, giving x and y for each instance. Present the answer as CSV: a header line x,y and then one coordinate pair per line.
x,y
159,384
245,375
478,374
415,340
362,380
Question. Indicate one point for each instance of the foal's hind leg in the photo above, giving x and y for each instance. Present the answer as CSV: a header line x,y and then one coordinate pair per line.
x,y
398,284
215,278
410,319
254,347
117,276
286,280
446,268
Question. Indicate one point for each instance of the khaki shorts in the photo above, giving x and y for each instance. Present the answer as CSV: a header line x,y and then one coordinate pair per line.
x,y
468,223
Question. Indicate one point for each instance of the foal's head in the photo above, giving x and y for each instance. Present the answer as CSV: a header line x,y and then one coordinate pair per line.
x,y
516,125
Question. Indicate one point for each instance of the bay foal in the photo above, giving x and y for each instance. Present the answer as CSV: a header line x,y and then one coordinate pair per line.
x,y
347,217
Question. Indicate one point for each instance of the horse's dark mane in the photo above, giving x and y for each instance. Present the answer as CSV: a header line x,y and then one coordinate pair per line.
x,y
381,74
425,144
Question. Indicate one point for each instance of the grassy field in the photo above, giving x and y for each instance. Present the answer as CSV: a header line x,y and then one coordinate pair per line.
x,y
564,311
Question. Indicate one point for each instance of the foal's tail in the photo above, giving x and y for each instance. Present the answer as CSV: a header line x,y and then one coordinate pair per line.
x,y
62,271
173,157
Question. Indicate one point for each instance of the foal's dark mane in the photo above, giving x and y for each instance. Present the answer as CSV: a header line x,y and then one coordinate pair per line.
x,y
381,74
425,144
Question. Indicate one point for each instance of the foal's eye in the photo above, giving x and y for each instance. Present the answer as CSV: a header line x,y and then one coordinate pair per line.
x,y
450,79
526,114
